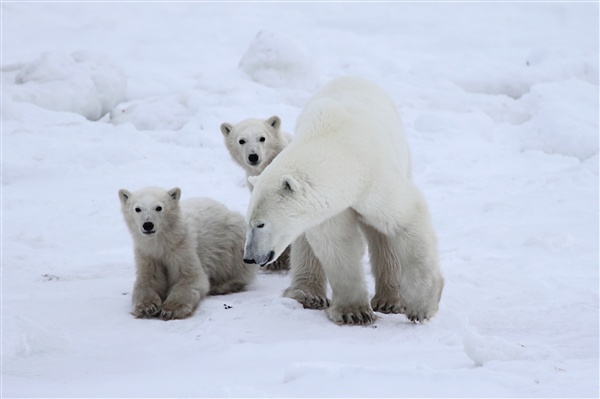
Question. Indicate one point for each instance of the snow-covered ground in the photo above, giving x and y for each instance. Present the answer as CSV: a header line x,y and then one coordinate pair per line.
x,y
500,103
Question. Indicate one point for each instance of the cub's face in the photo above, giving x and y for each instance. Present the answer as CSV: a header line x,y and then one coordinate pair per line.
x,y
251,141
148,211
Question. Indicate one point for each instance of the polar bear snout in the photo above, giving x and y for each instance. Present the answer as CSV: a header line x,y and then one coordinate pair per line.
x,y
253,159
148,228
261,260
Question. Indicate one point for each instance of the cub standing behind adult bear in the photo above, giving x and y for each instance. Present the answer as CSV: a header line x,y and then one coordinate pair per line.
x,y
253,144
348,169
183,251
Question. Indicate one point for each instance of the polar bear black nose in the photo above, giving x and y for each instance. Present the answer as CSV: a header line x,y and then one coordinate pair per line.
x,y
148,226
253,158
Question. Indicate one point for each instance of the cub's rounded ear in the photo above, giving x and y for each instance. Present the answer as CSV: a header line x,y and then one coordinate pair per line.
x,y
175,193
124,196
252,180
226,128
289,183
274,122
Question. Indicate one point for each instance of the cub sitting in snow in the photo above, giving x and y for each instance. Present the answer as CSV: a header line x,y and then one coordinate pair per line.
x,y
346,174
183,251
253,144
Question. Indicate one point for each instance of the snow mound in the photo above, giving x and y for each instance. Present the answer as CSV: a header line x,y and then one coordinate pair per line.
x,y
564,118
155,113
83,83
483,349
277,60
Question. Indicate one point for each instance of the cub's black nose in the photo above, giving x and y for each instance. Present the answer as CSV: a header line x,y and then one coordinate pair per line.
x,y
253,158
249,261
148,226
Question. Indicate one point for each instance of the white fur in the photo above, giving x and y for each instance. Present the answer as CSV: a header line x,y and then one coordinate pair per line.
x,y
254,143
346,172
183,251
262,142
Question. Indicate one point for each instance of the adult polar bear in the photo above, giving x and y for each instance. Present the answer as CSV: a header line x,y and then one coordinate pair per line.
x,y
348,169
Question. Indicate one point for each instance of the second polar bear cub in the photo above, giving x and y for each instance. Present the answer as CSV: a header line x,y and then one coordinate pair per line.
x,y
254,143
184,251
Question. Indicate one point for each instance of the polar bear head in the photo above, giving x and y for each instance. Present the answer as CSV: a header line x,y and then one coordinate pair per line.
x,y
253,143
276,217
150,211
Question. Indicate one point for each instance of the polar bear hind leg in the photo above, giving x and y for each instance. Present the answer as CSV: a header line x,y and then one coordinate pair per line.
x,y
338,244
404,260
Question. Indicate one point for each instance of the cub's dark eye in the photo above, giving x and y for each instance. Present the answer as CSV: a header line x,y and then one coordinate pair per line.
x,y
138,210
262,139
242,142
158,208
260,226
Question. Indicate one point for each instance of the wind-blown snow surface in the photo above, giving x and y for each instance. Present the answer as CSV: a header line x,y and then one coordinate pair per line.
x,y
500,103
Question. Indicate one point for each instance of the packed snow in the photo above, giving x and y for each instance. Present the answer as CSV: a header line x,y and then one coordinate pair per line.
x,y
500,104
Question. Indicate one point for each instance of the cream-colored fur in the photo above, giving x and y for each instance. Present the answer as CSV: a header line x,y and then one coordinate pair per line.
x,y
183,251
348,170
253,144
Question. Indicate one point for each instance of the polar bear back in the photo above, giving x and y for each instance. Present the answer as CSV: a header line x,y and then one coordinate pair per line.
x,y
359,115
219,234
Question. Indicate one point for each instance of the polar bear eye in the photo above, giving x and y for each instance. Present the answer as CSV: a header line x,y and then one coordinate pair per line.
x,y
138,210
158,208
242,142
260,226
262,139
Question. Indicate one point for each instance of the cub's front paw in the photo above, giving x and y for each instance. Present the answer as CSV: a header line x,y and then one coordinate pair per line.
x,y
351,315
146,309
175,310
307,299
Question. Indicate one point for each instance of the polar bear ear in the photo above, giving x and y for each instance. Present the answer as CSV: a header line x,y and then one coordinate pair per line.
x,y
175,193
226,128
289,183
124,196
252,180
274,122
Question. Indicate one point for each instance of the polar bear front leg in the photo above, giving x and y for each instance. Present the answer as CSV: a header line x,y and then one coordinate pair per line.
x,y
384,254
150,287
338,244
309,284
191,284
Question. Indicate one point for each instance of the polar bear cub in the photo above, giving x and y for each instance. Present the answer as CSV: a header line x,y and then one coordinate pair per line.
x,y
253,144
183,251
346,174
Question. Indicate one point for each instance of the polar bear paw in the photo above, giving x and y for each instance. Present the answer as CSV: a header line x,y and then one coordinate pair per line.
x,y
175,310
146,309
419,314
387,305
359,315
307,299
280,265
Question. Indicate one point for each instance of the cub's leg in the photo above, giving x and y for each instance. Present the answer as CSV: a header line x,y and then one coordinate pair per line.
x,y
338,244
150,288
190,285
309,284
281,264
